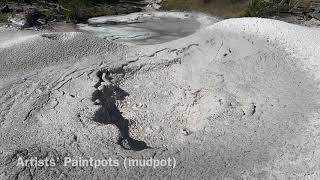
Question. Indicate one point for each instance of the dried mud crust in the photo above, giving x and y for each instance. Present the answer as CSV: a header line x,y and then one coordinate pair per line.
x,y
224,105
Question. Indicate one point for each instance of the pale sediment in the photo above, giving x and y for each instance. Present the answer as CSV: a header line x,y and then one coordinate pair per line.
x,y
237,99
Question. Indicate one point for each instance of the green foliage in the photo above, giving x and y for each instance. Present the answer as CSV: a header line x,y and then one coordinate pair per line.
x,y
259,8
80,10
75,10
4,17
225,8
3,2
263,8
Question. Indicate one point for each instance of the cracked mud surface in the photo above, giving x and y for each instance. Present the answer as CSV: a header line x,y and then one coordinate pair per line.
x,y
225,105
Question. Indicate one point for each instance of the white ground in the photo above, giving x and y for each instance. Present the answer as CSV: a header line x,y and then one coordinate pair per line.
x,y
235,100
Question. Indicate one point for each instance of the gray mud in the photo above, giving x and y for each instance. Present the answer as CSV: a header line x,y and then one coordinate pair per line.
x,y
149,31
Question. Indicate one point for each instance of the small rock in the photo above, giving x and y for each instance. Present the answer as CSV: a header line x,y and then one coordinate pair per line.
x,y
142,105
135,106
105,77
50,36
312,23
18,20
139,106
101,87
29,18
42,21
97,102
185,132
125,144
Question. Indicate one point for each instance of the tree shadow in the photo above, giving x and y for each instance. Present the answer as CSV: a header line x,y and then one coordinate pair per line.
x,y
109,113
